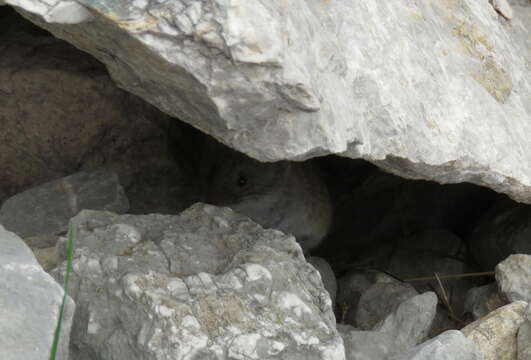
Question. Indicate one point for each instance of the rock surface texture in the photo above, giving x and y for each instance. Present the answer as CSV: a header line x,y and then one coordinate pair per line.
x,y
29,304
434,90
207,284
513,276
496,333
46,209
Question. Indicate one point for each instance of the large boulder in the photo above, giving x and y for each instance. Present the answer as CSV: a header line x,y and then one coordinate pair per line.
x,y
207,284
432,90
30,300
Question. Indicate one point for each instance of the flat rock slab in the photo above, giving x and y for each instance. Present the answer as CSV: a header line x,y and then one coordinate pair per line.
x,y
207,284
29,304
432,90
47,208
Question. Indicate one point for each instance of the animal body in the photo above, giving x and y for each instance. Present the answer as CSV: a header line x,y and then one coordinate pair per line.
x,y
288,196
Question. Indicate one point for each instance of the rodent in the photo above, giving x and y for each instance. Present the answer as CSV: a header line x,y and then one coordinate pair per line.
x,y
288,196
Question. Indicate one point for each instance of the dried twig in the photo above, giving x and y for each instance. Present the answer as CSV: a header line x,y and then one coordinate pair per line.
x,y
451,276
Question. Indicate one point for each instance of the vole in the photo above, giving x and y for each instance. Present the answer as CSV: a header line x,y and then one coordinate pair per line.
x,y
288,196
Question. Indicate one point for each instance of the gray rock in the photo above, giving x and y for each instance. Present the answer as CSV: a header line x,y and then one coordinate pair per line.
x,y
350,288
503,230
439,260
407,326
378,301
29,304
524,337
513,276
495,334
366,345
450,345
46,209
482,300
292,82
207,284
410,323
327,276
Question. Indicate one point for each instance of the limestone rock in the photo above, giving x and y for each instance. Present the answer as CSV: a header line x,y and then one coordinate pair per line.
x,y
404,328
378,301
450,345
46,209
29,304
207,284
524,337
433,90
482,300
495,334
513,276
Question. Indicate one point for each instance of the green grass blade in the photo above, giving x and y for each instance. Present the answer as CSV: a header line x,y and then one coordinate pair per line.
x,y
57,333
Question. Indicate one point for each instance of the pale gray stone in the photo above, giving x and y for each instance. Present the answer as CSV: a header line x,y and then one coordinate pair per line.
x,y
496,333
46,209
29,304
404,328
513,276
482,300
207,284
433,90
524,337
450,345
378,301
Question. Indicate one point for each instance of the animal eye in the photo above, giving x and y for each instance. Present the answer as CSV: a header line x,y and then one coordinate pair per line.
x,y
242,181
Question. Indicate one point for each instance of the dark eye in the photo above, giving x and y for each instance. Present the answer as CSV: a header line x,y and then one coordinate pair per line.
x,y
242,181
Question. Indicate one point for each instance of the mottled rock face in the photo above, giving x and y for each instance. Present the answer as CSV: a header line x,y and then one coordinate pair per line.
x,y
29,304
433,90
496,333
207,284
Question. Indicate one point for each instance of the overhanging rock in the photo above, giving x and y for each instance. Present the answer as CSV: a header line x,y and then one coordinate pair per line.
x,y
434,90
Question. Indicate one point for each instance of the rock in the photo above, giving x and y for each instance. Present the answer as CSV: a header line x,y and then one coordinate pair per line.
x,y
292,82
29,301
435,252
503,8
61,113
327,276
495,334
366,345
524,337
482,300
46,209
379,300
450,345
503,230
350,288
513,276
47,257
410,323
407,326
206,284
